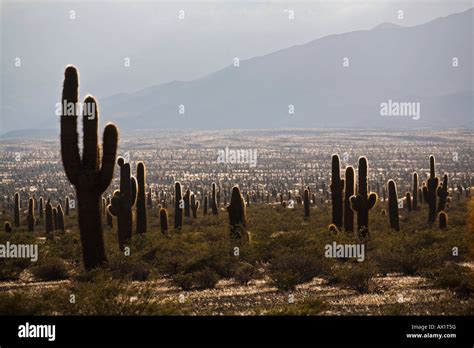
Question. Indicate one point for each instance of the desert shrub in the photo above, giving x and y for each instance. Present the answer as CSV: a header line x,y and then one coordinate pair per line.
x,y
22,302
121,266
204,278
354,275
452,276
51,269
305,308
11,269
243,272
295,258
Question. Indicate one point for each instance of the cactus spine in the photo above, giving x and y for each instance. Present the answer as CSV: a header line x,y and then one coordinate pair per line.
x,y
88,174
432,185
237,215
194,206
178,206
393,205
16,211
363,201
163,221
306,202
141,199
348,193
443,220
122,202
415,191
442,193
337,187
31,215
215,211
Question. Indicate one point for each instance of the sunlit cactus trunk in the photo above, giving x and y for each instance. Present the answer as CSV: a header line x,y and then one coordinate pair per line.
x,y
91,174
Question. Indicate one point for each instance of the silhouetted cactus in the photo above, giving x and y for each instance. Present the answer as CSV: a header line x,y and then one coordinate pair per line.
x,y
178,206
109,217
415,191
425,193
363,201
214,207
337,187
122,202
443,194
149,200
306,202
194,206
41,207
443,220
49,225
60,218
55,219
205,205
408,201
163,221
237,215
103,206
187,205
348,193
7,227
16,211
393,206
141,199
432,184
333,229
31,215
89,175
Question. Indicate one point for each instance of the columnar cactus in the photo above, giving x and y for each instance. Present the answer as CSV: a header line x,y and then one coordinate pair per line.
x,y
55,219
60,218
49,227
178,206
187,205
432,184
41,207
443,194
415,191
7,227
194,206
205,205
214,207
122,202
348,193
363,201
141,198
337,187
109,217
443,220
393,205
237,215
408,201
149,199
16,211
306,202
163,221
31,215
91,174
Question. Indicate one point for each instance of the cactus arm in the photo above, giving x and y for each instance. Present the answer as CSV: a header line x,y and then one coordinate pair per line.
x,y
114,205
133,196
109,152
372,200
90,125
69,137
354,203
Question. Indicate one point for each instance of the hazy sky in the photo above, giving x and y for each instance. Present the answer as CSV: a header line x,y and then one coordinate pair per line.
x,y
161,46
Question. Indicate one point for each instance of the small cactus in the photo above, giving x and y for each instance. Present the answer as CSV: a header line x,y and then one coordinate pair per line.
x,y
332,228
214,207
432,185
306,202
122,202
393,206
443,220
41,207
7,226
141,199
363,201
55,219
187,205
415,191
194,206
178,206
408,201
205,205
49,225
163,221
31,215
237,215
60,218
109,217
16,211
68,203
443,194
